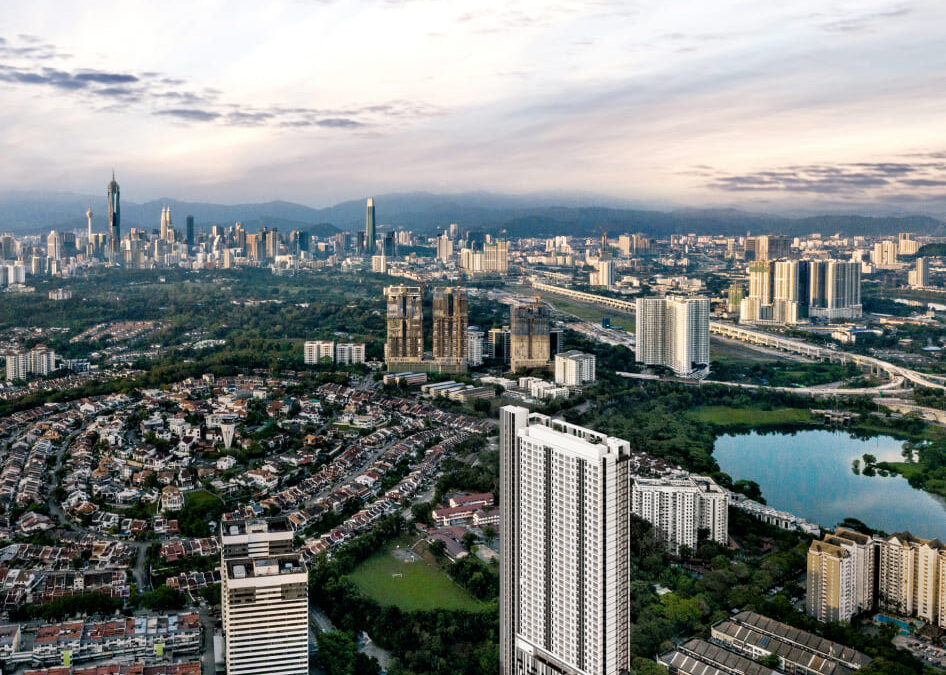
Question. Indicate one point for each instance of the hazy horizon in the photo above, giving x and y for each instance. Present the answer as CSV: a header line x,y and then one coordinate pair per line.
x,y
789,108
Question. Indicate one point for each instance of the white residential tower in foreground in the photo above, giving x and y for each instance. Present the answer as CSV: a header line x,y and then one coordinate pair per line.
x,y
564,574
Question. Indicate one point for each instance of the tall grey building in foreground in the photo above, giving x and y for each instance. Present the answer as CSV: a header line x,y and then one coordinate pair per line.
x,y
565,494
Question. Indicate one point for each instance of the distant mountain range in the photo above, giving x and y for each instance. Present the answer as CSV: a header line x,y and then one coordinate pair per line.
x,y
517,216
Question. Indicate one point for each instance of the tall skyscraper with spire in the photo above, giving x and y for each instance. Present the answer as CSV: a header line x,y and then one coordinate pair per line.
x,y
114,219
369,228
88,215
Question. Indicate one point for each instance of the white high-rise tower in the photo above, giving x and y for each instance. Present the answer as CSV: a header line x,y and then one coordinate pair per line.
x,y
564,575
88,215
674,332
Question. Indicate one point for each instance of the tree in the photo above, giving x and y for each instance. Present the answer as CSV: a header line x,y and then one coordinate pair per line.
x,y
769,661
469,539
163,598
489,533
339,655
423,513
437,548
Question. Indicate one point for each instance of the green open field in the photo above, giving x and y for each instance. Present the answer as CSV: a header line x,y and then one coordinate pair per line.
x,y
421,586
588,311
724,416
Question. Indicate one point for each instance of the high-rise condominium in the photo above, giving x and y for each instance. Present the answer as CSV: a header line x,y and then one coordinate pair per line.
x,y
603,274
840,576
910,577
497,343
772,246
369,228
451,320
476,346
316,350
444,247
405,324
529,336
679,507
674,332
564,574
189,230
835,289
791,291
919,276
114,219
265,599
574,368
496,256
907,245
884,255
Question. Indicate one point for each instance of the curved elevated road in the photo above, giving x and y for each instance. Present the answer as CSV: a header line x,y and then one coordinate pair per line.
x,y
767,339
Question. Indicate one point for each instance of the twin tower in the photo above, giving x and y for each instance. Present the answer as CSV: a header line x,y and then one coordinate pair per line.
x,y
404,349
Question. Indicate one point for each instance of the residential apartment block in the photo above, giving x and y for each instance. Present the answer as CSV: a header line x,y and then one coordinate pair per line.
x,y
910,577
564,573
574,368
680,507
264,587
674,332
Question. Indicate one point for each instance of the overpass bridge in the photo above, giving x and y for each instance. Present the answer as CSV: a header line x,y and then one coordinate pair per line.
x,y
874,365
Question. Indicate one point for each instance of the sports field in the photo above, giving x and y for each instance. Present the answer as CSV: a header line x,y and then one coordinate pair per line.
x,y
417,585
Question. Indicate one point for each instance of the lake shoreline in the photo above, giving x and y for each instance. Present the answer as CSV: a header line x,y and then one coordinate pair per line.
x,y
808,471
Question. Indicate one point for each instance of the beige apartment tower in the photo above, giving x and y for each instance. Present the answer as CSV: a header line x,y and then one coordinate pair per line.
x,y
496,257
909,580
405,324
830,587
451,308
529,337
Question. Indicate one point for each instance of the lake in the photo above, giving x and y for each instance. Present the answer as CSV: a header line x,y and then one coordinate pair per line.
x,y
808,473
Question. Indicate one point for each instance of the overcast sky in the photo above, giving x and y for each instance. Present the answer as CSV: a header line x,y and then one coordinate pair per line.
x,y
780,105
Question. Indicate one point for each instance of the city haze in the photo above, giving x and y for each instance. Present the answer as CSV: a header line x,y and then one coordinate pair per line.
x,y
779,109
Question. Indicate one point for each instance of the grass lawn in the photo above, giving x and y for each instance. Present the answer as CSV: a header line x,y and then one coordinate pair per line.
x,y
905,469
730,352
589,312
724,416
421,586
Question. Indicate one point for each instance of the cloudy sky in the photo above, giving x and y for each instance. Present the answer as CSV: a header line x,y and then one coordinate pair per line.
x,y
786,106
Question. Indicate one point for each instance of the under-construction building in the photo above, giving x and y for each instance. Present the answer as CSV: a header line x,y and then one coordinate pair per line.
x,y
529,336
451,320
405,323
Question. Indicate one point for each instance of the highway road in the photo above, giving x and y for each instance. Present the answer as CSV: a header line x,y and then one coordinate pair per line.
x,y
756,336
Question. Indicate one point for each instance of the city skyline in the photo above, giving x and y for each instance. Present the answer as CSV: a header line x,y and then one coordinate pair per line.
x,y
775,109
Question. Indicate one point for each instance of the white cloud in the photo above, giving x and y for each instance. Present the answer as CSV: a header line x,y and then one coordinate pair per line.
x,y
322,100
